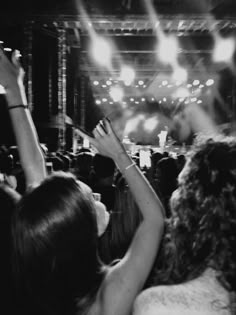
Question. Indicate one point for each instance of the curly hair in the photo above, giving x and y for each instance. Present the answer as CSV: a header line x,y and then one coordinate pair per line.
x,y
202,229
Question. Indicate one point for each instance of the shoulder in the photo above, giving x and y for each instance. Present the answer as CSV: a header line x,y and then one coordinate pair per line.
x,y
200,296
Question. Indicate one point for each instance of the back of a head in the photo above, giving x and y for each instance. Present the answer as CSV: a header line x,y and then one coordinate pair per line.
x,y
103,166
168,168
55,244
204,210
84,162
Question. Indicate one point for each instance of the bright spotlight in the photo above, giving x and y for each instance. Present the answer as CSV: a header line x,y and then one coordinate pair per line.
x,y
180,75
98,102
141,82
116,93
150,124
164,99
223,50
210,82
95,82
143,99
101,51
104,100
131,99
181,93
199,102
201,86
164,83
196,82
167,50
108,82
127,75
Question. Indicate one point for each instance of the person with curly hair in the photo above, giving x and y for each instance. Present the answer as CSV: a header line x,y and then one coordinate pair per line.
x,y
195,272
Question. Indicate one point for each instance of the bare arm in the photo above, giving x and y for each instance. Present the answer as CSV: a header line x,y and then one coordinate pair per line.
x,y
126,279
31,157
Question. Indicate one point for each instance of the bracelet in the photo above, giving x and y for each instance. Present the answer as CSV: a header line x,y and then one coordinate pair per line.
x,y
18,106
131,165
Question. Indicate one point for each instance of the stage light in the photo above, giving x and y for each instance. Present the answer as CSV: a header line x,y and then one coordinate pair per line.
x,y
104,85
108,82
224,49
104,100
1,42
143,99
193,99
180,75
201,86
164,99
150,124
167,49
98,102
199,101
210,82
141,82
127,75
101,51
164,82
189,85
116,93
153,99
95,83
137,102
181,93
196,82
131,99
7,49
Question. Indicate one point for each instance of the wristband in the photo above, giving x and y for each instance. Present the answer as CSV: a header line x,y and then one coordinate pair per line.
x,y
17,106
129,166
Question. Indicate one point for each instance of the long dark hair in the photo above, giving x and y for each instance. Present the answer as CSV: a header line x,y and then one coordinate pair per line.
x,y
8,201
55,247
202,229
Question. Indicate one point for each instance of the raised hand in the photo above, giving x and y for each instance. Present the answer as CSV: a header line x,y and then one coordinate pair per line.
x,y
11,73
105,139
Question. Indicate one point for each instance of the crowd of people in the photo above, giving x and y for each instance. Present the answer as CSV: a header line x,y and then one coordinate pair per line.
x,y
92,233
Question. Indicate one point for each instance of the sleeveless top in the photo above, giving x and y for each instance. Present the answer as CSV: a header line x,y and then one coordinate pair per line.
x,y
201,296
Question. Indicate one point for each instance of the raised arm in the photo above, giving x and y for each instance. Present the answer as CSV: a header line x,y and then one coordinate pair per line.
x,y
31,156
126,279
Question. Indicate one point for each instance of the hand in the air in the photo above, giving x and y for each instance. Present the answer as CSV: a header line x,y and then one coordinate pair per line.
x,y
105,139
11,73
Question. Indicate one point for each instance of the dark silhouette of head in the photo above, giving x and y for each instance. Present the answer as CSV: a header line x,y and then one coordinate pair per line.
x,y
55,246
103,166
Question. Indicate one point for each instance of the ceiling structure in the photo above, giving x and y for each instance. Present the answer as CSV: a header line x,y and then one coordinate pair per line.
x,y
126,23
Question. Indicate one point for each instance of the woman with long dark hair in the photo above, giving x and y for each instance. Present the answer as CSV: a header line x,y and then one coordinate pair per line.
x,y
54,231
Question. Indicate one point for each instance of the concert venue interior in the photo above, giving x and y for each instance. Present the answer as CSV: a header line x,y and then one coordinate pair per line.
x,y
150,66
